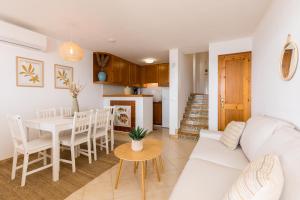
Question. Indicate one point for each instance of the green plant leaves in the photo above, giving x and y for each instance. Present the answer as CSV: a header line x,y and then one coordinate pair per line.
x,y
137,133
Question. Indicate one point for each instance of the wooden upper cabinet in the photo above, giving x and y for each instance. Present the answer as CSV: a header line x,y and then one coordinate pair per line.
x,y
151,74
135,75
163,74
116,68
124,72
121,72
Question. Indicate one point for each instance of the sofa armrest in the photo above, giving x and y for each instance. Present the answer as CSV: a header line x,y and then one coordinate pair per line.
x,y
216,135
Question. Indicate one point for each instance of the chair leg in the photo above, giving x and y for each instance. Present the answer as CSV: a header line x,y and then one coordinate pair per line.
x,y
73,159
101,143
14,165
45,157
25,166
89,151
106,144
95,148
112,139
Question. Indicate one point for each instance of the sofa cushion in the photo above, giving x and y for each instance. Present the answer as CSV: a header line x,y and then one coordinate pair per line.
x,y
286,144
257,131
216,152
204,180
262,179
232,134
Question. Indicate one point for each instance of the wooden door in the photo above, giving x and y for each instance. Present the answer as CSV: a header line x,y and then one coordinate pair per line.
x,y
234,88
163,74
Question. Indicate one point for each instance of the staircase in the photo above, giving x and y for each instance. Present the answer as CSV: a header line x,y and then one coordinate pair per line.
x,y
195,116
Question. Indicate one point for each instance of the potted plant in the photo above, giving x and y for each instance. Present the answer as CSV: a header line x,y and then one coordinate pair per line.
x,y
137,135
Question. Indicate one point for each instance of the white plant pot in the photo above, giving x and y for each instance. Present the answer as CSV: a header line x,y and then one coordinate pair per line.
x,y
137,145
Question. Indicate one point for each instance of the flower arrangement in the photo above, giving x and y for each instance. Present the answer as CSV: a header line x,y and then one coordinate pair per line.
x,y
75,89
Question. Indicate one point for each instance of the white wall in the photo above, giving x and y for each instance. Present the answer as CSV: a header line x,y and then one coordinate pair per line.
x,y
173,98
271,95
113,89
181,84
25,101
185,81
216,49
201,77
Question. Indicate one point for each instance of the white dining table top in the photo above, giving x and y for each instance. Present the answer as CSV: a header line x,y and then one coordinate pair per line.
x,y
50,123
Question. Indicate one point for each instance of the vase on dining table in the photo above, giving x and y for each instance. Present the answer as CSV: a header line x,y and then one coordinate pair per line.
x,y
75,106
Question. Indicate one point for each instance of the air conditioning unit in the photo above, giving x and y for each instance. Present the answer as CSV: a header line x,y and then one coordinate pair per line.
x,y
16,35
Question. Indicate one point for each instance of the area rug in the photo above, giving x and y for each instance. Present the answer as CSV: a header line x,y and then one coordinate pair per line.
x,y
40,185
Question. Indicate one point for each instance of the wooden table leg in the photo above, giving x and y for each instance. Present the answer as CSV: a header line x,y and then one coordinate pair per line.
x,y
143,180
161,163
119,173
156,168
135,166
146,169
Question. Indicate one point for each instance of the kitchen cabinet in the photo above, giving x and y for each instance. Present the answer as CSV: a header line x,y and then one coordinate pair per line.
x,y
135,75
124,73
163,75
157,113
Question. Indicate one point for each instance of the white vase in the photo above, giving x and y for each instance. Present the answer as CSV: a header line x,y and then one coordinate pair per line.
x,y
137,145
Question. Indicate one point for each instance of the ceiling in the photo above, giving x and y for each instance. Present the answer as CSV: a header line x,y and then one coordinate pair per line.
x,y
141,28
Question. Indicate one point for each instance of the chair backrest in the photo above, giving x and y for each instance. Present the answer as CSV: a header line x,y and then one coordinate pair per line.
x,y
46,113
65,111
82,123
17,130
112,111
101,120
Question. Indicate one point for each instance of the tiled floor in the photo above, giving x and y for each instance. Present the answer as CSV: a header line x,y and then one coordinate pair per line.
x,y
175,156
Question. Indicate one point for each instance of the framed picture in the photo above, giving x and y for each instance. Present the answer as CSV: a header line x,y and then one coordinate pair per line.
x,y
63,76
29,72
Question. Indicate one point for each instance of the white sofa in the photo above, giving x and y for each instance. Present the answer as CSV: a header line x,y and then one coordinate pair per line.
x,y
213,168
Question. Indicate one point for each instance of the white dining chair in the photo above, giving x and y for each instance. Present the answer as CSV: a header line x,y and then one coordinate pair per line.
x,y
81,133
46,113
66,112
112,110
22,146
100,130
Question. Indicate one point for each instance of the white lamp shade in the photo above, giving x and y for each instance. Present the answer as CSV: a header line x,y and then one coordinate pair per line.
x,y
70,51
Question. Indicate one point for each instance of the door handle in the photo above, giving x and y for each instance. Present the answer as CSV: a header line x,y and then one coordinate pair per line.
x,y
222,102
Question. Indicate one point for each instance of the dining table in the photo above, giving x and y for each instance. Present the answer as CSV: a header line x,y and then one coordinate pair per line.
x,y
55,126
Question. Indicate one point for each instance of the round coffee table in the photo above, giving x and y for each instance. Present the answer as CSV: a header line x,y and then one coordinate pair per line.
x,y
152,151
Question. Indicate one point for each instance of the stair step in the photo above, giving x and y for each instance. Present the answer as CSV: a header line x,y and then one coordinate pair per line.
x,y
196,109
193,102
188,133
194,126
202,113
195,120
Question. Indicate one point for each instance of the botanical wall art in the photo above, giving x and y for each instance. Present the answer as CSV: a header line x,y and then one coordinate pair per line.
x,y
29,72
63,76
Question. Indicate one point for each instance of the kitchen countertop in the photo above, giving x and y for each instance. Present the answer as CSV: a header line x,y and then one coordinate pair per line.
x,y
127,95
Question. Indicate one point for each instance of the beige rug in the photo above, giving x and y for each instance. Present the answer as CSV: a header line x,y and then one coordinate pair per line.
x,y
40,185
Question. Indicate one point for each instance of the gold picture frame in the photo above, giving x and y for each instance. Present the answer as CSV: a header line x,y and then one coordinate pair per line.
x,y
63,76
29,72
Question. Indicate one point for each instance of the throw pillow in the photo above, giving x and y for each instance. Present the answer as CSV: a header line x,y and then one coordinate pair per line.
x,y
262,179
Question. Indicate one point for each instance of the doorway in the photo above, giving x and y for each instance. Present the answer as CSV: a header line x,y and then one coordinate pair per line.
x,y
234,88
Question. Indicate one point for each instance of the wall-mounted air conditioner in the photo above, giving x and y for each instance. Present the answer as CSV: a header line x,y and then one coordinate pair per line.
x,y
23,37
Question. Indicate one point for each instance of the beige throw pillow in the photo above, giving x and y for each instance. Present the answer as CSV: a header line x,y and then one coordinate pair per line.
x,y
232,134
262,179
